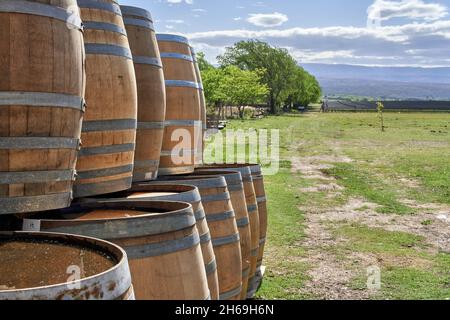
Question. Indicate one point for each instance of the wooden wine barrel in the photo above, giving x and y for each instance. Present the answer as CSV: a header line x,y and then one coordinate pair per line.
x,y
184,193
46,266
236,189
224,231
261,198
183,126
105,162
42,83
151,92
253,213
201,93
160,239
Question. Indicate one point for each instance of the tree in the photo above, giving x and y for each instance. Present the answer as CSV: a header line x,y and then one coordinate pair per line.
x,y
277,65
243,87
203,64
234,87
306,89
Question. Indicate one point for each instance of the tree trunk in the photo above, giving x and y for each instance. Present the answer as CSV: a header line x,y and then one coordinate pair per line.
x,y
272,104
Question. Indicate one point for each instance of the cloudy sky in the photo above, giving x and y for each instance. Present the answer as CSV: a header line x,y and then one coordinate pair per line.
x,y
363,32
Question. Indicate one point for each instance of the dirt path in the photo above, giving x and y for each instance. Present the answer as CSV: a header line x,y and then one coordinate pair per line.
x,y
331,276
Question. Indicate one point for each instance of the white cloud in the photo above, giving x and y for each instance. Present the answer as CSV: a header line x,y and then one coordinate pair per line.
x,y
267,20
390,45
422,40
176,21
180,1
383,10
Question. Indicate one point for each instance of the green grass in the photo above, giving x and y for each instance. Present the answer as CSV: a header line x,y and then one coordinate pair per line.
x,y
357,182
415,148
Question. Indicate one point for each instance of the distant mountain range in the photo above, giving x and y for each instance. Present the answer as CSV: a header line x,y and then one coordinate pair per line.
x,y
403,83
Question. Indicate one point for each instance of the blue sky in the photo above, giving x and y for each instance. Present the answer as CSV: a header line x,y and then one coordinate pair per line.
x,y
364,32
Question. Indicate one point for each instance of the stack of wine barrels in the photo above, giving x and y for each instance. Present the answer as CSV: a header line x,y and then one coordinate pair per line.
x,y
221,220
151,92
83,115
257,218
183,125
184,193
105,161
160,238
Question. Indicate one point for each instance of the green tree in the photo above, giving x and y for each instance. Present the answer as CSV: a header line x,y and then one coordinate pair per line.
x,y
203,64
243,87
306,89
277,65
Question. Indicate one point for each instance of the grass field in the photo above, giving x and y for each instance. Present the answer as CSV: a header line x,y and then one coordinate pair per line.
x,y
348,197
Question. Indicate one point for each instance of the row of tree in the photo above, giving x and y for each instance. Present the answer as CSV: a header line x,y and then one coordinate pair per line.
x,y
254,73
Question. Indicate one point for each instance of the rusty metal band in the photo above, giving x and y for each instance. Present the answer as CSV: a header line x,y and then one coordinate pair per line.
x,y
146,24
37,176
137,12
205,238
38,143
104,26
200,214
216,197
217,242
108,49
183,123
220,217
35,203
211,267
92,174
151,125
243,222
175,55
145,163
93,189
148,60
235,187
91,4
230,294
252,208
162,248
41,99
109,125
261,199
181,83
172,38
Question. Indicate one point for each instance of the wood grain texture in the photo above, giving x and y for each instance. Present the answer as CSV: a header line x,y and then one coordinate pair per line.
x,y
183,103
111,95
151,99
39,55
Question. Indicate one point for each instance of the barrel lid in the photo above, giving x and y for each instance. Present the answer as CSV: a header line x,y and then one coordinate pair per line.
x,y
172,38
137,12
119,274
